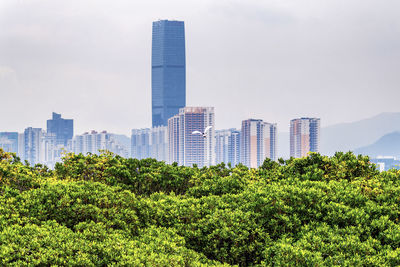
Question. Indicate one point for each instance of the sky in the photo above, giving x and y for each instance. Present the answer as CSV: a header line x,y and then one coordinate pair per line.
x,y
273,60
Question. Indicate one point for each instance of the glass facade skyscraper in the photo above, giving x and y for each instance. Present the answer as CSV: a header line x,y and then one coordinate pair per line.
x,y
168,70
63,129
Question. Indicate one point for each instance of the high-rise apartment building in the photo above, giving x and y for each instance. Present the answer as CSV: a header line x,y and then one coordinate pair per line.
x,y
195,148
168,70
304,136
234,148
9,141
227,146
21,146
32,144
258,142
50,152
173,139
159,143
222,146
63,129
187,148
140,140
94,142
150,143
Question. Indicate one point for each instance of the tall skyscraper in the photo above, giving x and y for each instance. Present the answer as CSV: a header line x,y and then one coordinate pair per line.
x,y
304,136
227,146
187,148
168,70
63,129
258,142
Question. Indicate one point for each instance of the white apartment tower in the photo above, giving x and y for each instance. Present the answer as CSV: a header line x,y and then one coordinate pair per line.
x,y
304,136
227,146
150,143
94,141
173,139
186,148
258,142
140,143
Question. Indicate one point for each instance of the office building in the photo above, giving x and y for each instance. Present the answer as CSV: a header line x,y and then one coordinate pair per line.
x,y
258,142
304,136
168,70
63,129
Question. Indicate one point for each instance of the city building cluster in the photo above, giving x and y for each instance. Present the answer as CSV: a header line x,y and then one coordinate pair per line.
x,y
385,163
181,134
173,137
250,145
36,145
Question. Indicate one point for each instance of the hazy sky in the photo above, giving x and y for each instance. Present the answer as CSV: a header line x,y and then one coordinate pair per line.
x,y
273,60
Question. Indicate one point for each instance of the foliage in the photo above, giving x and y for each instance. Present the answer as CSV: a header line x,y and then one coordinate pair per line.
x,y
99,210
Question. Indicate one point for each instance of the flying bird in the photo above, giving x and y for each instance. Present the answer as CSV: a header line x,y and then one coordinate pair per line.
x,y
205,131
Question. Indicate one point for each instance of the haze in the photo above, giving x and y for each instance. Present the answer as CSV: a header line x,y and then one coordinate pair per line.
x,y
274,60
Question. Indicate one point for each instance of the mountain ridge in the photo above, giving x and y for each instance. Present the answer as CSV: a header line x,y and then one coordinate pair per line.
x,y
387,145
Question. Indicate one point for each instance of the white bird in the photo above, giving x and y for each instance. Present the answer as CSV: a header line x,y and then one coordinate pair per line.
x,y
205,131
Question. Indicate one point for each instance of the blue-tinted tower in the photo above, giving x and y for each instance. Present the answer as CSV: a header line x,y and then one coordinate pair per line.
x,y
168,70
63,129
9,141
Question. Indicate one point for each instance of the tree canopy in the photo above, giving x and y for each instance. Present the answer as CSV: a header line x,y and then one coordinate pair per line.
x,y
98,210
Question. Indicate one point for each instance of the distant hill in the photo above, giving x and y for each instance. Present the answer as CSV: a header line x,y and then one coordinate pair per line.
x,y
387,145
349,136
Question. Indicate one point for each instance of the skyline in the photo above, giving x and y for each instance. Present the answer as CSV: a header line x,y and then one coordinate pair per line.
x,y
78,60
373,131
